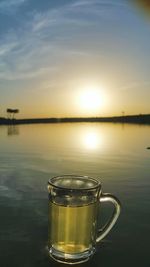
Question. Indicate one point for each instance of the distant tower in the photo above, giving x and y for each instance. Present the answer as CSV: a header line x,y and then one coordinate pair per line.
x,y
123,114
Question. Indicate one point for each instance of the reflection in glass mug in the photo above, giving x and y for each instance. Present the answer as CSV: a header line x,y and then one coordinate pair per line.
x,y
73,216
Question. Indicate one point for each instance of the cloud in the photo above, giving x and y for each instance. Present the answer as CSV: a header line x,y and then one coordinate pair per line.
x,y
10,76
135,85
46,39
6,48
72,14
61,16
84,3
25,58
10,5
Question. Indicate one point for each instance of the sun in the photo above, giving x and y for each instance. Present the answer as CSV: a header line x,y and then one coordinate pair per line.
x,y
90,99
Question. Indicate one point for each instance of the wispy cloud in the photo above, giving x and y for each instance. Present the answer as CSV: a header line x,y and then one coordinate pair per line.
x,y
62,16
6,48
25,75
81,3
25,58
101,3
9,5
47,38
135,85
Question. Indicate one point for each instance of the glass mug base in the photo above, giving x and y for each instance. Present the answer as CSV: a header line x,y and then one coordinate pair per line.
x,y
71,258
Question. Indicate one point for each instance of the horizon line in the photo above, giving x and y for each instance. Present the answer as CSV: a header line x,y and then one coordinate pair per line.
x,y
79,117
137,119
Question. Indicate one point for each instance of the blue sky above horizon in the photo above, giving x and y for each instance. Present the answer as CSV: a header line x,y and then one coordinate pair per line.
x,y
50,50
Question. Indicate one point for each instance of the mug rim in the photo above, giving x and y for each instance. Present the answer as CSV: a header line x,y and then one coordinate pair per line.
x,y
97,182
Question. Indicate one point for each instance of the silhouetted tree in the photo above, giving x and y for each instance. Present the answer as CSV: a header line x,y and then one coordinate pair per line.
x,y
11,112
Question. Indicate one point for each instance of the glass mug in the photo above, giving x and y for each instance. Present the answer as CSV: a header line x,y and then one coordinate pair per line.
x,y
73,217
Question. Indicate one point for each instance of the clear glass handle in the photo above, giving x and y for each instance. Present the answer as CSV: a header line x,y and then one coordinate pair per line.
x,y
108,226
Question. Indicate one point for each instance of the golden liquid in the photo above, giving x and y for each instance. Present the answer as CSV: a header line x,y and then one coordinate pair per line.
x,y
72,229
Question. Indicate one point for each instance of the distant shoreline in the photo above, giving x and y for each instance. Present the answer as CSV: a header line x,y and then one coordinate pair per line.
x,y
138,119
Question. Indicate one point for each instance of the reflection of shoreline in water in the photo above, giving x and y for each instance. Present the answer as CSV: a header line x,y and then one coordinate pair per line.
x,y
12,130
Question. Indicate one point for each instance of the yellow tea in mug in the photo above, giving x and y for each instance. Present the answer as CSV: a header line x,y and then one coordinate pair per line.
x,y
72,229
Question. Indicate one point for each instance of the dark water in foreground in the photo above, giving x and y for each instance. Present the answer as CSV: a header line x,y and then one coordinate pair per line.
x,y
114,153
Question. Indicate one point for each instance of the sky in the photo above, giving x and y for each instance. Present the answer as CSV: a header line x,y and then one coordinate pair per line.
x,y
55,54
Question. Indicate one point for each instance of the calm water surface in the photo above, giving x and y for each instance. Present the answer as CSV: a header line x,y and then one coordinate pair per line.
x,y
114,153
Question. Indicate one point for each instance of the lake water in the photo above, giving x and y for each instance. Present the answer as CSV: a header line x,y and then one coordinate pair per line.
x,y
114,153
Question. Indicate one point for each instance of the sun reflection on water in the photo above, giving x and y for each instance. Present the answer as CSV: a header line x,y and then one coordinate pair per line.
x,y
92,139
